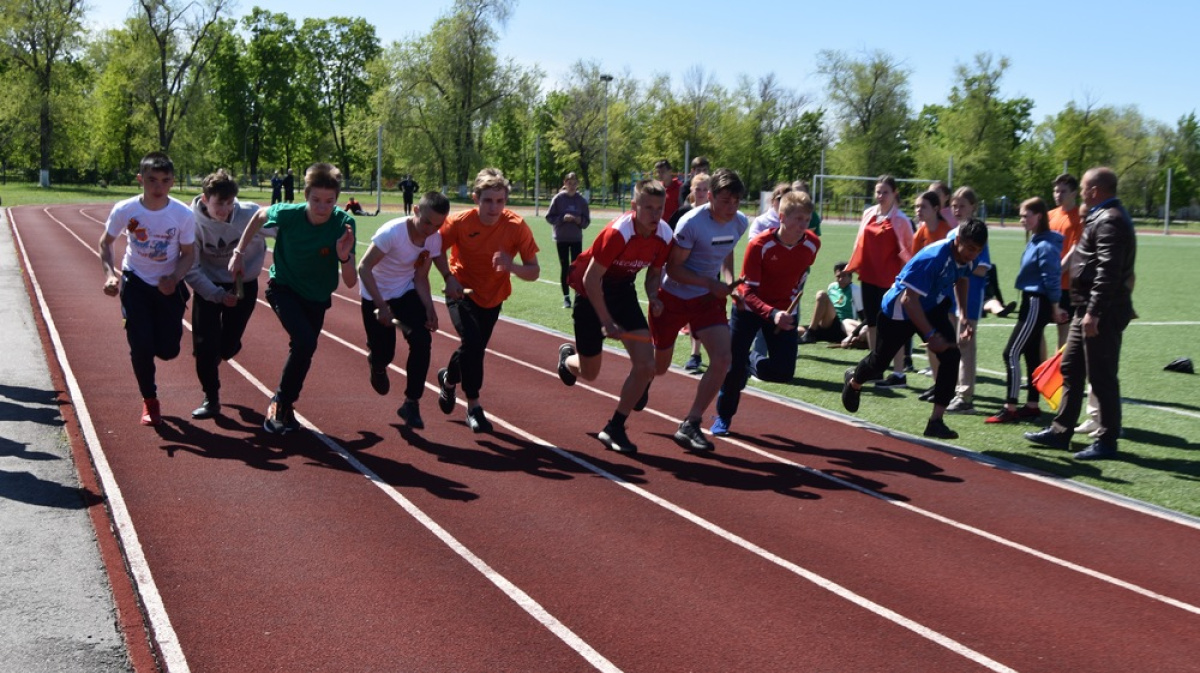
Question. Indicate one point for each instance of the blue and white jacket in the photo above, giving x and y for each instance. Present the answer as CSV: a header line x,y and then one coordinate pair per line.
x,y
1041,266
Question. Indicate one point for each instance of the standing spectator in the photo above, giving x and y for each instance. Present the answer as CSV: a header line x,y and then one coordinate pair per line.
x,y
769,221
699,195
1102,299
569,215
1039,280
276,187
699,165
394,275
222,307
666,175
883,246
289,186
409,187
1065,220
774,265
698,279
932,226
482,244
160,234
963,204
915,305
313,241
607,305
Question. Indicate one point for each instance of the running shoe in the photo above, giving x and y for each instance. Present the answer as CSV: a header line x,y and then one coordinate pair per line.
x,y
477,421
446,395
720,427
691,437
937,429
410,413
614,438
151,413
565,351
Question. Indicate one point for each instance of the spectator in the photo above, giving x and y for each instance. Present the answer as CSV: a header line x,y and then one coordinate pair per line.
x,y
569,215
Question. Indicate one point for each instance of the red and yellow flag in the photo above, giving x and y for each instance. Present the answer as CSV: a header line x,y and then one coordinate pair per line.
x,y
1048,380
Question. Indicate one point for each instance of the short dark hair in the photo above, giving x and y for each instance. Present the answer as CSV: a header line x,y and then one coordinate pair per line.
x,y
727,180
700,164
436,202
219,185
932,198
974,231
322,175
156,162
1067,180
662,163
840,267
888,180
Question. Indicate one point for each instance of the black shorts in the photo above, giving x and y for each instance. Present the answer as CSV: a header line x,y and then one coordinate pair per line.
x,y
872,297
622,303
834,333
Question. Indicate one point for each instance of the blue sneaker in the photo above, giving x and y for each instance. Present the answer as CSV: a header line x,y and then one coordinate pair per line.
x,y
720,426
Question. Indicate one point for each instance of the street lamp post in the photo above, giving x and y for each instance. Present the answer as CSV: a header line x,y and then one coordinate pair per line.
x,y
606,79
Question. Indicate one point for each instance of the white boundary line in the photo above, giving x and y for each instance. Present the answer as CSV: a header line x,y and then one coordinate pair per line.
x,y
160,622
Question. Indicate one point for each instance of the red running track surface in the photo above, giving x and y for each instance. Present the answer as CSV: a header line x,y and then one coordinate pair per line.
x,y
805,542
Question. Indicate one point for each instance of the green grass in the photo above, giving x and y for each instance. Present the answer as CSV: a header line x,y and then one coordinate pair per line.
x,y
1158,461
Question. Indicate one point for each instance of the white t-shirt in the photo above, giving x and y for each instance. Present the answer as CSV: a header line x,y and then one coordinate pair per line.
x,y
154,236
395,272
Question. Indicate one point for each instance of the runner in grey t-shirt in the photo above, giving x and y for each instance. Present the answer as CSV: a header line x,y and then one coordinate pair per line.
x,y
698,278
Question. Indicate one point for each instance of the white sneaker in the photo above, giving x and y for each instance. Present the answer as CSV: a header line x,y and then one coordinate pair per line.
x,y
1087,427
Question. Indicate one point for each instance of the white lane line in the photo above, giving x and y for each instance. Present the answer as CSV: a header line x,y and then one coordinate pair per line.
x,y
904,505
177,660
727,535
160,622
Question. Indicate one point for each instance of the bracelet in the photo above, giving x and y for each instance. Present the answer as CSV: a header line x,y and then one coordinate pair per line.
x,y
344,261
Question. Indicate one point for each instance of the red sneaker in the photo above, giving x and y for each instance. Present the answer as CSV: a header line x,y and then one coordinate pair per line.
x,y
150,412
1006,415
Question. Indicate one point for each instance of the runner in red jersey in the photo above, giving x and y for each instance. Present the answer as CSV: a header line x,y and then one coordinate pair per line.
x,y
607,304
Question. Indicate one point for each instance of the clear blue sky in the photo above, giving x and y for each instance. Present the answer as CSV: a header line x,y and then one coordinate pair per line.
x,y
1107,52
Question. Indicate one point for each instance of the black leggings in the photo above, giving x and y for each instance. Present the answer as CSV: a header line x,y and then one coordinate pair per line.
x,y
302,319
1026,339
567,252
474,325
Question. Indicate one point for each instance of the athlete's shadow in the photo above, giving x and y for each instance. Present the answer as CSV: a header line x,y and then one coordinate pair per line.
x,y
856,464
499,451
730,471
196,438
16,410
404,475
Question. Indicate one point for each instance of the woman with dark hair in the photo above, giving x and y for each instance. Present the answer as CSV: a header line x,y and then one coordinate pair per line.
x,y
1040,282
933,226
883,246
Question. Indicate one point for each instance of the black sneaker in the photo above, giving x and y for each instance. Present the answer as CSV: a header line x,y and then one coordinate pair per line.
x,y
850,396
567,301
477,421
613,436
410,413
1049,438
446,396
893,380
643,400
380,382
927,396
209,408
281,419
691,437
693,364
565,351
937,429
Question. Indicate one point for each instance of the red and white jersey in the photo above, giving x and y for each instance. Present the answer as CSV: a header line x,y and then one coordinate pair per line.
x,y
623,252
773,270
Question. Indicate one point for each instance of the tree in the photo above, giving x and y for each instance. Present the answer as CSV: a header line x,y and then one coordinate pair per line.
x,y
978,128
579,119
337,53
869,101
185,36
38,33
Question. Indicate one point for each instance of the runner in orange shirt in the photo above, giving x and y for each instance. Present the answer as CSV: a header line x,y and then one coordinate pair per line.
x,y
482,244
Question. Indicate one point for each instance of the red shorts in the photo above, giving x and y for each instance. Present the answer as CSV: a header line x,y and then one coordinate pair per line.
x,y
697,314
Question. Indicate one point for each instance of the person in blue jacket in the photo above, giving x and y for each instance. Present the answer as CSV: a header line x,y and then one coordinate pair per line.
x,y
1040,282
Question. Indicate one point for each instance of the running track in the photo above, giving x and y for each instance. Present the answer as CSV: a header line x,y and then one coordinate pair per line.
x,y
807,544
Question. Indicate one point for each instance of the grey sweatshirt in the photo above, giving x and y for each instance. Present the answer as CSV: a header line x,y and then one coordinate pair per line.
x,y
215,242
576,205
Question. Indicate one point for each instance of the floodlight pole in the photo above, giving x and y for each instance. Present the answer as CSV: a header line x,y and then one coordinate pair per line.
x,y
604,180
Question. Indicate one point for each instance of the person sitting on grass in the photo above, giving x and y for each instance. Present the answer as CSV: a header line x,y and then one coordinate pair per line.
x,y
837,315
914,305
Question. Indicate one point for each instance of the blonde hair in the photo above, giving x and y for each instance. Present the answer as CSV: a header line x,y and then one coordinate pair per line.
x,y
795,200
697,179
